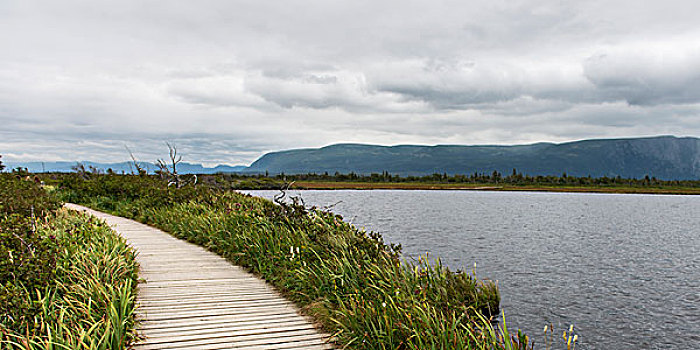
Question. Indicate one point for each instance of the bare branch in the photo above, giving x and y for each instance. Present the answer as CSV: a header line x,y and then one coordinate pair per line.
x,y
79,169
330,207
138,167
279,198
168,170
162,171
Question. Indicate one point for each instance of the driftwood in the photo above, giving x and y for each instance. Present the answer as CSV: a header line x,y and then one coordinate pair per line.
x,y
297,202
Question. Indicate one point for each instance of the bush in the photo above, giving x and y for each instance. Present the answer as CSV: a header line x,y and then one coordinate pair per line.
x,y
27,255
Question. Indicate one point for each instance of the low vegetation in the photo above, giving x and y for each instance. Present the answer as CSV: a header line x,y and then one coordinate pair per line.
x,y
493,182
66,280
349,280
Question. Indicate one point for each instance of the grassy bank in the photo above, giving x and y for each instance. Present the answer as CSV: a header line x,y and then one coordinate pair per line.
x,y
350,281
348,185
66,280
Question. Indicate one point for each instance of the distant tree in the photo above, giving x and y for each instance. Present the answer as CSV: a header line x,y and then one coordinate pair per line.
x,y
2,167
496,176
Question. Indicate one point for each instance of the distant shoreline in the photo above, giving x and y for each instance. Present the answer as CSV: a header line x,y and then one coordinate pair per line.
x,y
330,185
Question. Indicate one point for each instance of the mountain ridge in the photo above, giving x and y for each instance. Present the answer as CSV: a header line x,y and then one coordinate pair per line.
x,y
119,167
665,157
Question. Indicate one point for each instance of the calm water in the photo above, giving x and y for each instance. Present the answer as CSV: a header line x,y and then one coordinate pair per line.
x,y
624,269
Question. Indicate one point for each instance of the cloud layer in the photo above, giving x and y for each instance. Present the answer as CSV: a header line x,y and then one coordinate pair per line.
x,y
230,80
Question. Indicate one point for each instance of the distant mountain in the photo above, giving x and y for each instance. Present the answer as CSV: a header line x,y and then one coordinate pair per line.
x,y
665,157
126,167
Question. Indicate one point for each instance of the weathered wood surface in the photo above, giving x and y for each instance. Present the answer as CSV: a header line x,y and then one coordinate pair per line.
x,y
191,298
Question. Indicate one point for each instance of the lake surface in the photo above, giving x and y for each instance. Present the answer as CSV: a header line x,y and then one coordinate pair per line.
x,y
624,269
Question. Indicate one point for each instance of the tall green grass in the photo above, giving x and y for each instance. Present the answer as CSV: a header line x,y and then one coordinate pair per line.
x,y
353,283
67,280
90,304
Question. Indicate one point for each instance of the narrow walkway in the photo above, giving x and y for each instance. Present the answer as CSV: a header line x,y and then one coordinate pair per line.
x,y
194,299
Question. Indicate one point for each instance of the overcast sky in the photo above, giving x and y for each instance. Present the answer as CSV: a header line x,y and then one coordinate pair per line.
x,y
227,81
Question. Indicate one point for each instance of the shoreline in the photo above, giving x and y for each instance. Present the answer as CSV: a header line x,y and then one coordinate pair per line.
x,y
313,185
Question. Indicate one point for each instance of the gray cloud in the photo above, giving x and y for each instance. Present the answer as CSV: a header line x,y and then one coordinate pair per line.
x,y
230,80
645,77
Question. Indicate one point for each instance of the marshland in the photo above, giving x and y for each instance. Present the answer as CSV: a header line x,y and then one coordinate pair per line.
x,y
377,269
352,283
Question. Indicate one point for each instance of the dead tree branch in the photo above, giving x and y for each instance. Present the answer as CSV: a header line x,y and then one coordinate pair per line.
x,y
168,170
79,169
139,170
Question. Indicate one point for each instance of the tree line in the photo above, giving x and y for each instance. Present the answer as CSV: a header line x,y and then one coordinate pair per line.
x,y
514,178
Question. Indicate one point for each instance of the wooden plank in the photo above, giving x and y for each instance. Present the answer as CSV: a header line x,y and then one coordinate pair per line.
x,y
207,299
174,315
215,306
209,320
262,332
239,341
170,294
218,324
194,303
190,298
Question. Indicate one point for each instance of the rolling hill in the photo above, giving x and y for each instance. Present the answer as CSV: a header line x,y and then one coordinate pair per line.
x,y
664,157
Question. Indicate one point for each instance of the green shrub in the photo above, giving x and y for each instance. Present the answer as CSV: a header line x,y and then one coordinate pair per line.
x,y
27,256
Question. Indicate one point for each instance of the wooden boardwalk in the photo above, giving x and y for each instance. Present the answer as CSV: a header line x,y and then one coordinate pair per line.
x,y
191,298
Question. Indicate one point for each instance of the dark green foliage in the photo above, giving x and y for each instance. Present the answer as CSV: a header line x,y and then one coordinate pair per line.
x,y
27,257
516,179
149,190
237,181
66,281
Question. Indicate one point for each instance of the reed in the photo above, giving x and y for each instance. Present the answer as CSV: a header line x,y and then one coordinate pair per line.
x,y
86,296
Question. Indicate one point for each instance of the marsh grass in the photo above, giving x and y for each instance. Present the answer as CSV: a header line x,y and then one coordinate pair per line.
x,y
90,305
349,280
352,283
68,281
